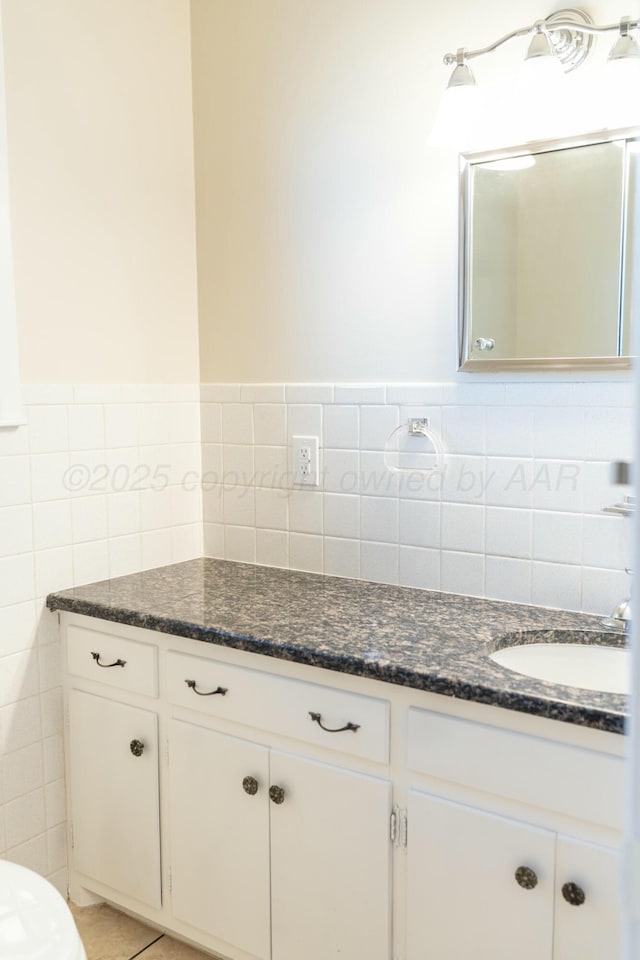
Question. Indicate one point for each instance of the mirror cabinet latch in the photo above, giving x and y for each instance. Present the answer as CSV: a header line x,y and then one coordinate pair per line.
x,y
484,343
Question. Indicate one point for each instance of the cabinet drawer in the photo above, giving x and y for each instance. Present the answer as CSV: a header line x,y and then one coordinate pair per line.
x,y
281,705
584,784
115,661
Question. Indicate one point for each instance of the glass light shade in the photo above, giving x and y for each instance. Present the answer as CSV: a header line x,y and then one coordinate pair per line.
x,y
456,121
541,67
625,48
540,92
617,95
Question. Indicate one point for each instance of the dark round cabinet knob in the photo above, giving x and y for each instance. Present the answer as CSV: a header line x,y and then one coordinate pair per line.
x,y
573,894
526,878
137,748
277,794
250,786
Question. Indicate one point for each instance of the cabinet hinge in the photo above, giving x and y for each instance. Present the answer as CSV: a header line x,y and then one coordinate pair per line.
x,y
170,880
71,840
398,829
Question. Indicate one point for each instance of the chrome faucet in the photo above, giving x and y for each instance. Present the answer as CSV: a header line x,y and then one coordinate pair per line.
x,y
621,473
620,619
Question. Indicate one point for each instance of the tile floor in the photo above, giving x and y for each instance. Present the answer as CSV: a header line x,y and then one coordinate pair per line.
x,y
110,935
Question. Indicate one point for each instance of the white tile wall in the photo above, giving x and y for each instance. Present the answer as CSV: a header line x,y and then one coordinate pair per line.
x,y
90,488
516,514
107,480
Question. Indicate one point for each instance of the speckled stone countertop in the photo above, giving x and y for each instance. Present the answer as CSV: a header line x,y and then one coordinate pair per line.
x,y
431,641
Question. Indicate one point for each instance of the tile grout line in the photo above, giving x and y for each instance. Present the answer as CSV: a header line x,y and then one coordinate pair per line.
x,y
140,952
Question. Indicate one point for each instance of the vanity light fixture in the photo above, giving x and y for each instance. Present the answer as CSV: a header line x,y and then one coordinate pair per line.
x,y
541,59
626,47
558,44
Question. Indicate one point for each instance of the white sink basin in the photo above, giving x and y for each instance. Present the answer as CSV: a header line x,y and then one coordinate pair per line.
x,y
586,665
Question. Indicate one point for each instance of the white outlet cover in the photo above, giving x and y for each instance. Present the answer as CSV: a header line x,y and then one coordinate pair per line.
x,y
305,465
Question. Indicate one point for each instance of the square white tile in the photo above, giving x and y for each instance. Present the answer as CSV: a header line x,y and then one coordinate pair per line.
x,y
462,573
463,527
240,544
377,423
379,519
379,562
557,537
509,532
270,424
508,579
306,552
305,511
16,532
272,548
342,558
419,523
211,422
556,585
341,515
341,427
272,508
419,567
237,423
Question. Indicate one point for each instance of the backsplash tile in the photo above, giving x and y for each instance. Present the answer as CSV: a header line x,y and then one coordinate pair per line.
x,y
515,513
105,480
93,486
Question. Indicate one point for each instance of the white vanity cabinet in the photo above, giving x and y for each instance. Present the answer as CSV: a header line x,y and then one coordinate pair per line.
x,y
269,848
269,797
463,899
112,765
219,851
331,863
589,928
480,884
278,851
269,810
479,880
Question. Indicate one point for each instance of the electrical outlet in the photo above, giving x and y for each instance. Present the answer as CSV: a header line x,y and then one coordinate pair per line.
x,y
305,461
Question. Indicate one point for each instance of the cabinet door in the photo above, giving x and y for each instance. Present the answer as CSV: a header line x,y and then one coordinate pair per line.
x,y
463,898
116,818
330,863
220,835
589,930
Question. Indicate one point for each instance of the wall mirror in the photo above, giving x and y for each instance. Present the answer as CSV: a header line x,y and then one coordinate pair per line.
x,y
547,258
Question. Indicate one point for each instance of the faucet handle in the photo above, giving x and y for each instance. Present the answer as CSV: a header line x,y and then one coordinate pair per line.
x,y
625,509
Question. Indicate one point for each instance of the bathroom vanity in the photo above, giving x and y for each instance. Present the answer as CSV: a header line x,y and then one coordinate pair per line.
x,y
279,765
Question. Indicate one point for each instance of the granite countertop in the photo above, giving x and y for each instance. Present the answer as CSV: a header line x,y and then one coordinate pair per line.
x,y
430,641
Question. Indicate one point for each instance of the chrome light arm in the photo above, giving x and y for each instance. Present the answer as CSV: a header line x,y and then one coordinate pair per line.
x,y
551,25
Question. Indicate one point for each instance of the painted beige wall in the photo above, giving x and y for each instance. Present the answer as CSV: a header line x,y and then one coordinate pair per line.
x,y
102,193
322,252
327,228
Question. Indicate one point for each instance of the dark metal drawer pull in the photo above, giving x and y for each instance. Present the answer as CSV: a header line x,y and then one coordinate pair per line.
x,y
116,663
526,878
211,693
317,718
137,748
573,894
